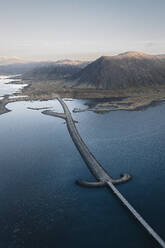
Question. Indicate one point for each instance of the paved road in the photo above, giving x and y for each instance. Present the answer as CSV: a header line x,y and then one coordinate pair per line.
x,y
138,217
102,176
94,166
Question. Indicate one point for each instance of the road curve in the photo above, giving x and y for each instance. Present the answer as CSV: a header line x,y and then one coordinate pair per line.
x,y
102,177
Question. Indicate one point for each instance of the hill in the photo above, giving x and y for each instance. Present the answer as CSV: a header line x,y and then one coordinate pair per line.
x,y
52,72
130,69
38,69
19,68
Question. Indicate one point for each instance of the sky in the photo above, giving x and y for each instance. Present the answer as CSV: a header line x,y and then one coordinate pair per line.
x,y
80,29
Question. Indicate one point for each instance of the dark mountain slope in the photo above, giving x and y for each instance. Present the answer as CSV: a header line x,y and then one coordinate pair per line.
x,y
52,72
131,69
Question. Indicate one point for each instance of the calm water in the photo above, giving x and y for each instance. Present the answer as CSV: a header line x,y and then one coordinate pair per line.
x,y
7,89
41,207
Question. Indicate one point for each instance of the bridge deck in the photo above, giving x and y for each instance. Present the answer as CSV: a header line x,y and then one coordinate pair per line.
x,y
101,175
94,166
137,215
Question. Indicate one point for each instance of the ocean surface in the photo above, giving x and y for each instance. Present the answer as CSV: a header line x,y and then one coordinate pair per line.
x,y
40,204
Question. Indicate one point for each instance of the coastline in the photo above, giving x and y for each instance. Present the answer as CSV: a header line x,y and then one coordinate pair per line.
x,y
139,107
132,99
3,104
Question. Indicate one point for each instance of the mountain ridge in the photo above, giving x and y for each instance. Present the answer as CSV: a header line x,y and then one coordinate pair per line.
x,y
123,70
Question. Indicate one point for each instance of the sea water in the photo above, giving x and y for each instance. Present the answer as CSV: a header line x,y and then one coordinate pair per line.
x,y
42,207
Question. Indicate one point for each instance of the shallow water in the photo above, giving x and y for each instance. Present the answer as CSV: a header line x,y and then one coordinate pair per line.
x,y
8,89
40,204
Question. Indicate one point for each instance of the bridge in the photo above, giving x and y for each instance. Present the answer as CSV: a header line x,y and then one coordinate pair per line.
x,y
101,176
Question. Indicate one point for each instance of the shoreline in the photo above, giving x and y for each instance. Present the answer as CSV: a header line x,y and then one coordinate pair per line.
x,y
101,110
132,99
3,104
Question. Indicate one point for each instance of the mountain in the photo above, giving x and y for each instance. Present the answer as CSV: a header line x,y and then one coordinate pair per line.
x,y
18,66
161,55
10,60
61,69
129,69
72,62
52,72
124,70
